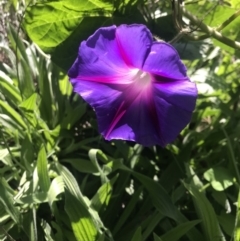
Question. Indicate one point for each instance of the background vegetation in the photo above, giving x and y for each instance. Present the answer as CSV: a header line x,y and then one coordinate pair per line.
x,y
59,180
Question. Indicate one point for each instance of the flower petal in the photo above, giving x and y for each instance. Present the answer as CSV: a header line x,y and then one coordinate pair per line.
x,y
174,103
105,99
158,114
134,42
155,116
163,60
99,59
179,93
138,88
120,115
136,124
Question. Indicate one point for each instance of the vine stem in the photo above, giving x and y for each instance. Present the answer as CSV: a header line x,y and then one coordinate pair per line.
x,y
233,159
177,37
229,20
211,32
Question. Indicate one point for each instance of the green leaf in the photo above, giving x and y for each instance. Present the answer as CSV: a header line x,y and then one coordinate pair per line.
x,y
160,198
6,198
103,195
81,165
176,233
28,107
237,223
151,223
81,221
33,198
42,170
46,90
24,74
3,214
47,231
49,24
57,187
5,229
162,201
16,41
25,79
128,210
156,238
216,15
8,89
65,53
73,115
35,179
27,153
93,154
101,237
206,213
71,183
11,126
137,235
4,153
30,103
73,188
28,225
65,86
227,222
235,3
12,113
219,177
58,233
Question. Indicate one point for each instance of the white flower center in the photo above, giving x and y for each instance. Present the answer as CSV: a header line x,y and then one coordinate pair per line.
x,y
142,79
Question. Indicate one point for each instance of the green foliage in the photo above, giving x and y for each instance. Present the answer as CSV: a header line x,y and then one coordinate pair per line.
x,y
60,19
58,27
59,180
219,177
215,14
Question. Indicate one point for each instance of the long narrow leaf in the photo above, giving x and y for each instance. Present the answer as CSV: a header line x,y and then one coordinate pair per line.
x,y
103,195
159,197
127,211
71,183
137,235
81,221
151,223
6,199
237,222
42,170
156,238
8,89
207,214
12,113
57,187
176,233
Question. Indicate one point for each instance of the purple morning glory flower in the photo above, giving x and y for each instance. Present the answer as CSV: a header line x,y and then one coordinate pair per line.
x,y
138,88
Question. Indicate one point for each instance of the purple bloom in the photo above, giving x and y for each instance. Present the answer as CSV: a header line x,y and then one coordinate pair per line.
x,y
138,87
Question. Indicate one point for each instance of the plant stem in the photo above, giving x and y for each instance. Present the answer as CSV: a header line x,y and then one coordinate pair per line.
x,y
229,20
196,38
211,31
233,159
176,38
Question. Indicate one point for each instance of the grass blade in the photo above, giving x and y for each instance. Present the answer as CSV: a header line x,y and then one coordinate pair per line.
x,y
42,170
176,233
207,214
137,235
237,222
82,224
7,200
